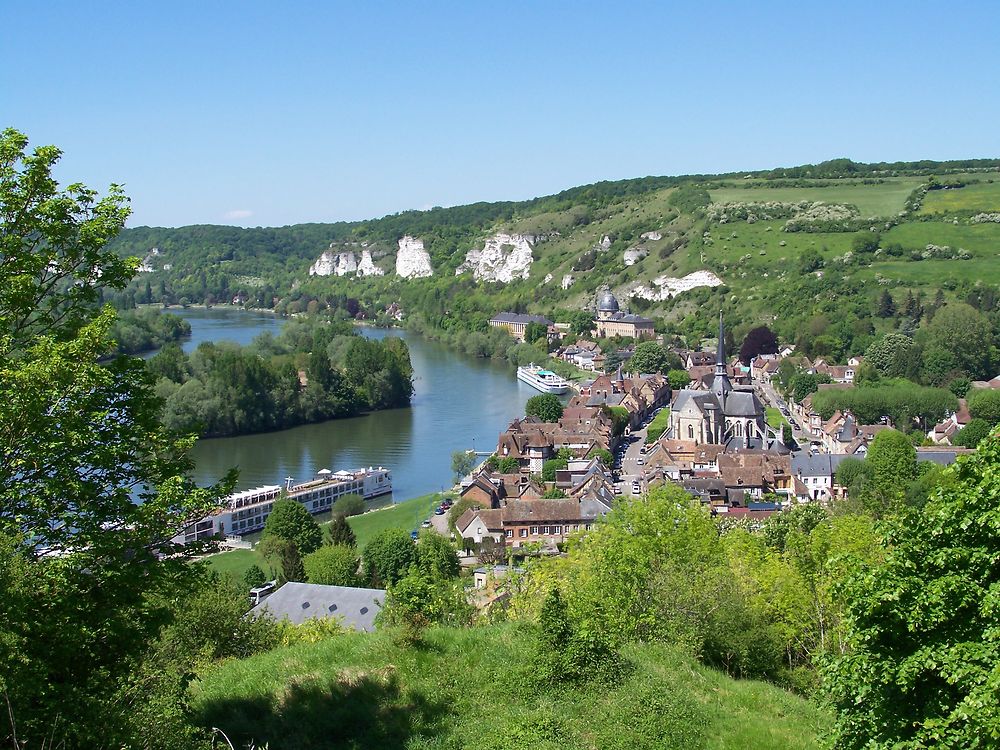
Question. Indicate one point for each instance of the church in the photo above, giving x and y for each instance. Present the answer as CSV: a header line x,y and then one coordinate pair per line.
x,y
723,414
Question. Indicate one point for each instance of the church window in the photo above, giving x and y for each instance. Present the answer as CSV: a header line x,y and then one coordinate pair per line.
x,y
691,432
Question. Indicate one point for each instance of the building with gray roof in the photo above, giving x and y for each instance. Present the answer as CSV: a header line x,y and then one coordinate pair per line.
x,y
722,414
297,602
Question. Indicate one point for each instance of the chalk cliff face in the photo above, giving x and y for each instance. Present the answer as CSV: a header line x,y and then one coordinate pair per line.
x,y
367,267
503,258
668,286
633,255
333,263
412,261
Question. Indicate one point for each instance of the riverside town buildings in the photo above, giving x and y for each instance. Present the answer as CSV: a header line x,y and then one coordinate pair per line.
x,y
516,323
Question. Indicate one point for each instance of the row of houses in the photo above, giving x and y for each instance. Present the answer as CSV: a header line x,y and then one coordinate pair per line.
x,y
511,509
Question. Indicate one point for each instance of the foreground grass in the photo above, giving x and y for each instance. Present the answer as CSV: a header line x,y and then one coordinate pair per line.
x,y
406,515
478,688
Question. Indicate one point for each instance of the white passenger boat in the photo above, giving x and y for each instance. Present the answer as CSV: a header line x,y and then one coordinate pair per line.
x,y
244,512
541,379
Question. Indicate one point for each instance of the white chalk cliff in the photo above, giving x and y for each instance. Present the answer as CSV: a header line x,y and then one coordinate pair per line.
x,y
669,286
367,267
633,255
503,258
333,263
412,261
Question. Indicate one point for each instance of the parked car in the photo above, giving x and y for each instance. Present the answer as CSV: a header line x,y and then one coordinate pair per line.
x,y
439,511
414,534
426,524
643,449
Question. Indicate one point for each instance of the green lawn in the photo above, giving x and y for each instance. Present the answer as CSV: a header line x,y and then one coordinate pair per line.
x,y
656,428
774,417
886,199
984,196
479,688
406,515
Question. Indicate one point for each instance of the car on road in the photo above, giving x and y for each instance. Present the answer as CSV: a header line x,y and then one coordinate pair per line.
x,y
643,450
426,524
635,487
640,461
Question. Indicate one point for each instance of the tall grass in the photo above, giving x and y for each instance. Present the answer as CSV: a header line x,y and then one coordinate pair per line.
x,y
478,688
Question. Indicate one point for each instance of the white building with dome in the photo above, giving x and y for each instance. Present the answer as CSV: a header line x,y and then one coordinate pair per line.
x,y
611,321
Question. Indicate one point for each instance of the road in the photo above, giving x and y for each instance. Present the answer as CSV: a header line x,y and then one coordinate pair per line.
x,y
630,467
770,397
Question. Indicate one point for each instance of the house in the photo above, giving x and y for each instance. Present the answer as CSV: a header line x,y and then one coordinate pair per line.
x,y
844,374
842,435
546,521
943,432
481,577
815,476
942,456
699,359
517,323
478,524
297,602
749,475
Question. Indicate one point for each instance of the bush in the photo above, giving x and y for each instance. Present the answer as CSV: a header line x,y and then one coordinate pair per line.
x,y
388,556
984,403
972,434
290,520
547,407
332,565
348,505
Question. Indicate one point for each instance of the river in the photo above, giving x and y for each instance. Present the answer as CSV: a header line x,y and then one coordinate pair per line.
x,y
459,402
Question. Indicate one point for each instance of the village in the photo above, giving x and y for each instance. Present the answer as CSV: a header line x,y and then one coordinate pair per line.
x,y
718,427
717,442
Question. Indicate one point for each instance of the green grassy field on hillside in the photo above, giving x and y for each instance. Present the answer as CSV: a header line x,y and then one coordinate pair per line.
x,y
406,515
478,688
885,199
984,196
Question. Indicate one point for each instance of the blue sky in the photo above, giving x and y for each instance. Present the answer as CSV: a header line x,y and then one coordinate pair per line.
x,y
276,113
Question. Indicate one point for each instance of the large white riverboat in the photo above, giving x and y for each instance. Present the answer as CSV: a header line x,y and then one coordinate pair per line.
x,y
244,512
541,379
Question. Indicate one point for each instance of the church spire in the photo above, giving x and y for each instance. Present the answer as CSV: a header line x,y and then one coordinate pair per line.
x,y
720,351
720,384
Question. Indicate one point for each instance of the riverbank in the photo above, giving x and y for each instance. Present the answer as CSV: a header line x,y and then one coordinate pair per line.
x,y
406,515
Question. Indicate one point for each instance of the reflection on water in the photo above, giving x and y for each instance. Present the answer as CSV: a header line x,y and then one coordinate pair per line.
x,y
458,403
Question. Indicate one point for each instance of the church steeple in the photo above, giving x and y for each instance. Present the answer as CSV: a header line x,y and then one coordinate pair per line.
x,y
720,384
720,351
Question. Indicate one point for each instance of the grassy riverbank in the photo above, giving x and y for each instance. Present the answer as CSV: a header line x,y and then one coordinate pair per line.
x,y
406,515
479,687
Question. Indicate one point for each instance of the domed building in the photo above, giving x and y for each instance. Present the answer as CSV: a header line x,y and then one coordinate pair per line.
x,y
611,321
607,304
